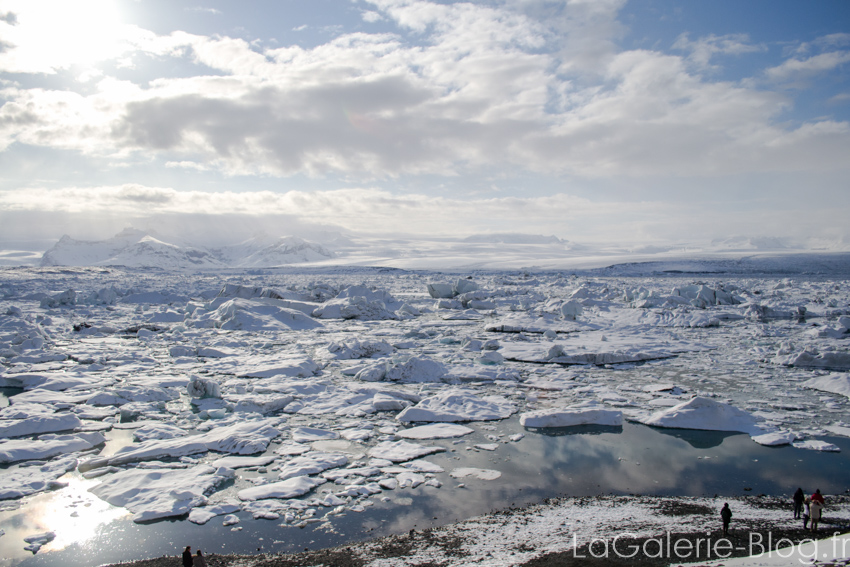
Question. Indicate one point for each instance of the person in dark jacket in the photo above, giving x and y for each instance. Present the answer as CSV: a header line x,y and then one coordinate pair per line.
x,y
199,560
187,556
799,497
726,516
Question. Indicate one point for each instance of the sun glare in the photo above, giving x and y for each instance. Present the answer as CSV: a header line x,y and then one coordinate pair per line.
x,y
53,34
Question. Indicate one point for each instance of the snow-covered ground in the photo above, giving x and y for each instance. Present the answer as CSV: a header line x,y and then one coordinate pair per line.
x,y
303,394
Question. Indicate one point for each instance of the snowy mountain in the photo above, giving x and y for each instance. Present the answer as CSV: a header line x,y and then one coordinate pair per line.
x,y
264,251
137,248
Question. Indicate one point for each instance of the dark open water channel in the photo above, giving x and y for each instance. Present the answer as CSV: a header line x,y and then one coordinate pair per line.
x,y
581,461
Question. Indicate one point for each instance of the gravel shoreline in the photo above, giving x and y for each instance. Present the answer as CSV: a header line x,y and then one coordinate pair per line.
x,y
618,530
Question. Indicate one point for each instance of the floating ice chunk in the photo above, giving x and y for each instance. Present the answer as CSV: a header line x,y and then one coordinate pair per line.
x,y
48,446
127,393
355,307
487,446
528,323
260,314
24,479
838,430
569,417
423,466
39,424
266,367
357,434
435,431
158,449
289,488
441,290
158,431
310,434
203,388
204,514
458,405
400,451
416,370
836,383
387,402
311,463
258,403
817,445
483,474
360,349
336,474
66,298
570,310
409,479
37,541
706,414
241,438
775,438
831,360
160,493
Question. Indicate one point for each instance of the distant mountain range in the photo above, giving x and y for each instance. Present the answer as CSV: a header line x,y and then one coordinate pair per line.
x,y
138,248
145,248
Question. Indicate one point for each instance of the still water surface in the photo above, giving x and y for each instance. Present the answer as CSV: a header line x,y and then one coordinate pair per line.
x,y
578,461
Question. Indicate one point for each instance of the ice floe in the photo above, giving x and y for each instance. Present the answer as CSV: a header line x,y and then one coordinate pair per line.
x,y
707,414
160,493
569,417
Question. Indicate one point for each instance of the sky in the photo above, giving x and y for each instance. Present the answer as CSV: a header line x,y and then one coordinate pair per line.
x,y
634,122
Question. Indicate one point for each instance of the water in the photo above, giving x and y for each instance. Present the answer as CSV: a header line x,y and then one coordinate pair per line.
x,y
579,461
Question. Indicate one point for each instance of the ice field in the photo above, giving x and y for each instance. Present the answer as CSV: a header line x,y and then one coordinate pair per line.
x,y
304,403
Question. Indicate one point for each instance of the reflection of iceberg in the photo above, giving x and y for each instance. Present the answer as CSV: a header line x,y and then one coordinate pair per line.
x,y
698,438
576,430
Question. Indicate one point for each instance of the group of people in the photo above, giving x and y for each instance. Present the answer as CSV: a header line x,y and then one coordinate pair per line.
x,y
196,561
814,508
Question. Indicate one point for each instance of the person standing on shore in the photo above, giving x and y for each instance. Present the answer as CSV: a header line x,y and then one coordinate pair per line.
x,y
799,497
816,508
199,560
187,556
726,516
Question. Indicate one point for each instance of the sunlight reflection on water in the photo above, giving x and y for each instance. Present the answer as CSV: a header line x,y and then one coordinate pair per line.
x,y
579,461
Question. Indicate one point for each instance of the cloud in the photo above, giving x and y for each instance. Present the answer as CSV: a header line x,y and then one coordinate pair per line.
x,y
703,49
796,69
459,89
376,212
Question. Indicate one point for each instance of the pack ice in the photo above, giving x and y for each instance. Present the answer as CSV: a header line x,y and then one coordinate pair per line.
x,y
330,386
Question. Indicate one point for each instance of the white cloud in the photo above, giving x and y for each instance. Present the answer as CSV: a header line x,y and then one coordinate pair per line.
x,y
704,48
381,213
794,69
532,85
